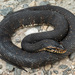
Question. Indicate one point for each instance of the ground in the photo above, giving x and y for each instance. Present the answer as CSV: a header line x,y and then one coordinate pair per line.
x,y
64,67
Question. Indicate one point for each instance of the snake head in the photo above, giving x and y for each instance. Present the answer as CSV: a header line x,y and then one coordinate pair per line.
x,y
55,49
53,46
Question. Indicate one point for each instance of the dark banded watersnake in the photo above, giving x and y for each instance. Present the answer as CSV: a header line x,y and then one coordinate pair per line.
x,y
22,58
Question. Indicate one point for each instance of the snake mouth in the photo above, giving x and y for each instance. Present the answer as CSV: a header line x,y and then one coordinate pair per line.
x,y
54,49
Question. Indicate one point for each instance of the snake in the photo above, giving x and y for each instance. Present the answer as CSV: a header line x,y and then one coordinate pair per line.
x,y
43,48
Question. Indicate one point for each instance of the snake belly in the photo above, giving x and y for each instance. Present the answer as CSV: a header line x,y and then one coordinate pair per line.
x,y
22,58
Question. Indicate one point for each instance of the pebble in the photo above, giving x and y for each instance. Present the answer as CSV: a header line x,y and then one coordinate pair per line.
x,y
24,73
33,3
72,56
25,6
44,3
22,0
73,67
52,1
1,71
42,73
6,11
18,40
29,31
62,66
9,67
47,67
45,72
55,71
49,72
44,27
17,71
38,73
68,69
18,8
65,72
59,1
69,3
11,3
1,66
50,28
18,45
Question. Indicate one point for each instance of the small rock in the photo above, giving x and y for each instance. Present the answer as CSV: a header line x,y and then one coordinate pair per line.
x,y
25,6
41,73
1,66
38,73
33,3
62,66
44,27
18,40
22,0
47,67
73,67
69,3
59,1
18,8
17,71
6,11
50,28
65,73
68,69
55,71
19,45
32,30
44,3
1,71
73,63
52,1
9,67
45,72
72,56
49,72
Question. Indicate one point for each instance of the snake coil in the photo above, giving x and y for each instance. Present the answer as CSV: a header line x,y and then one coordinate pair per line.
x,y
49,14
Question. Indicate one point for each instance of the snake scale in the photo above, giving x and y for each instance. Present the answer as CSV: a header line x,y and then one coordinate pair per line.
x,y
31,15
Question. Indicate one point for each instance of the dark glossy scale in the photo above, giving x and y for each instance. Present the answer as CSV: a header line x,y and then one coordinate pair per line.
x,y
21,58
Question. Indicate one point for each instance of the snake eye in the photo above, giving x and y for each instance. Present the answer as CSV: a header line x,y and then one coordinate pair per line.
x,y
49,48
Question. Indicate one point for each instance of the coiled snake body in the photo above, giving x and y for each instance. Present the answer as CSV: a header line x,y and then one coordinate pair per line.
x,y
58,17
